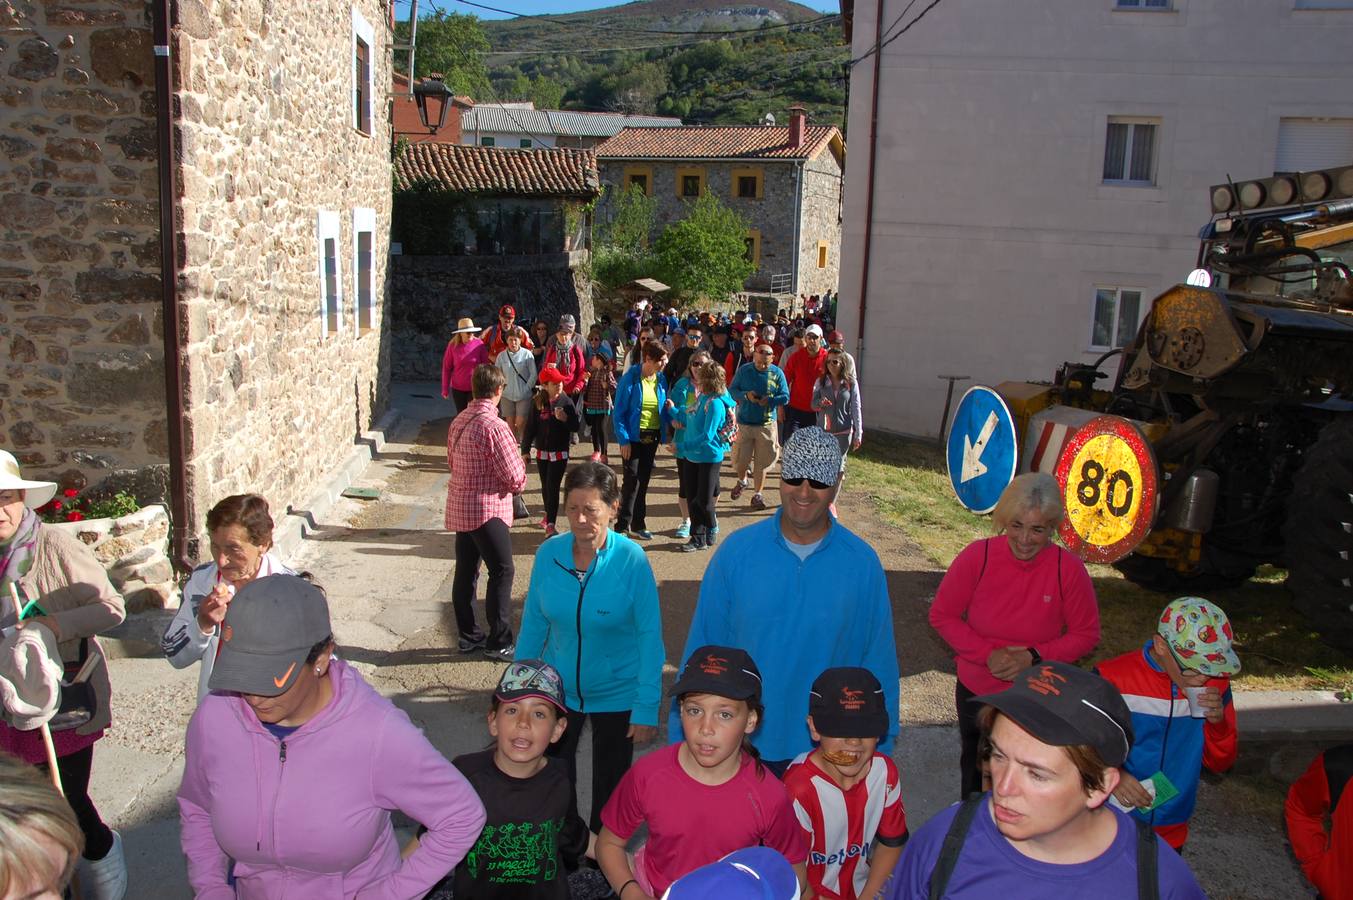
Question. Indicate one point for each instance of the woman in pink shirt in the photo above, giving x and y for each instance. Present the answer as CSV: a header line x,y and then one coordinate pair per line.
x,y
463,352
1011,601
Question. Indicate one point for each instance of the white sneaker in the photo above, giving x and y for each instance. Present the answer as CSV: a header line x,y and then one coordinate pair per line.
x,y
104,879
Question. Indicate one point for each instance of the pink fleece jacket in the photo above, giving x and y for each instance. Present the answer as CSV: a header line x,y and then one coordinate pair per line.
x,y
458,364
309,817
990,599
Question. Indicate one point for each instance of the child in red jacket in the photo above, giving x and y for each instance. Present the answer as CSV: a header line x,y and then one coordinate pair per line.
x,y
1325,857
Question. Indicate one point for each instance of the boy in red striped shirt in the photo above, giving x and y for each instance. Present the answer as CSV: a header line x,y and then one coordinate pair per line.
x,y
847,796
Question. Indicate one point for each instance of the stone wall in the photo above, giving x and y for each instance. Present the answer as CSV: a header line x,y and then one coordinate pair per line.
x,y
82,396
133,548
428,294
821,221
274,401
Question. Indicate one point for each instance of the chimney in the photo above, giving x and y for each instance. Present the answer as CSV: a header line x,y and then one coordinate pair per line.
x,y
797,124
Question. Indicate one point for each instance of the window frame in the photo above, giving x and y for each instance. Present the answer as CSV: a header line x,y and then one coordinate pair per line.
x,y
1142,5
486,140
737,174
1118,290
754,235
363,222
328,228
645,171
1133,122
823,254
362,88
524,144
684,172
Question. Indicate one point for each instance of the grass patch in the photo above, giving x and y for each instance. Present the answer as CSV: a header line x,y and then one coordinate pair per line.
x,y
907,482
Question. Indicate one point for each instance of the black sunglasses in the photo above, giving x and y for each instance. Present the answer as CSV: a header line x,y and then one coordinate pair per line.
x,y
795,482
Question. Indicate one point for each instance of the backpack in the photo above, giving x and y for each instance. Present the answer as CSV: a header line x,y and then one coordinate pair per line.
x,y
1148,879
728,431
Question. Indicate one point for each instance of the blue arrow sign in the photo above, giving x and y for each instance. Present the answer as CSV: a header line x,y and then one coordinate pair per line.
x,y
982,452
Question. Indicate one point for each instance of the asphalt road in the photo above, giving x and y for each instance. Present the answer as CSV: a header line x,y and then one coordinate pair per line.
x,y
387,565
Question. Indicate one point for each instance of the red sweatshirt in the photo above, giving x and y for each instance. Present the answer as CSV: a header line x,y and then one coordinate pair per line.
x,y
988,599
802,372
1326,858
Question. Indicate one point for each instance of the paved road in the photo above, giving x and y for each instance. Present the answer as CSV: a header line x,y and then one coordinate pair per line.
x,y
387,568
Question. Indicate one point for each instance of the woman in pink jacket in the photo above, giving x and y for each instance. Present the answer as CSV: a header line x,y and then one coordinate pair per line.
x,y
1010,602
294,764
463,352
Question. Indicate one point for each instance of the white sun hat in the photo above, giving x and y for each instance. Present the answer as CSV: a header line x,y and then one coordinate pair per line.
x,y
37,492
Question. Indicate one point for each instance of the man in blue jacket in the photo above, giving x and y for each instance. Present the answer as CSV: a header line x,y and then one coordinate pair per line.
x,y
758,390
820,600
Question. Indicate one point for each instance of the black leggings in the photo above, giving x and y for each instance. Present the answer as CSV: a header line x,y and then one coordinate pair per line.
x,y
597,422
491,543
634,492
74,769
612,755
462,399
551,477
969,735
704,488
685,478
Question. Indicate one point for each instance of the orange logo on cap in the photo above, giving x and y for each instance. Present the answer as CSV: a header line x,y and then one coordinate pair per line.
x,y
285,675
851,699
1044,681
714,665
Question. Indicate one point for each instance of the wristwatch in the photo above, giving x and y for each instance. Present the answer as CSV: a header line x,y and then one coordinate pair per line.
x,y
1034,653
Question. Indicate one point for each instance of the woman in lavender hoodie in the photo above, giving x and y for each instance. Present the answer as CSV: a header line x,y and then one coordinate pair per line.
x,y
294,764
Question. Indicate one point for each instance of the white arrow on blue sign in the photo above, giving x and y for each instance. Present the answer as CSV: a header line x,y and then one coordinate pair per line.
x,y
982,450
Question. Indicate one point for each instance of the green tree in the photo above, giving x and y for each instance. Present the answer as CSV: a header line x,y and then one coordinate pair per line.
x,y
704,256
631,222
546,92
453,45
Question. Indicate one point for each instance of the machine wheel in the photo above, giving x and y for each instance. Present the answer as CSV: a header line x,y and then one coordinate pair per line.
x,y
1153,574
1318,534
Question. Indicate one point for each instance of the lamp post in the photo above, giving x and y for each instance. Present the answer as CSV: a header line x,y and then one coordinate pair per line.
x,y
433,98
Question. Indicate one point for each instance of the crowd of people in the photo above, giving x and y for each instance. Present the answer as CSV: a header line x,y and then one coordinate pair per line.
x,y
778,779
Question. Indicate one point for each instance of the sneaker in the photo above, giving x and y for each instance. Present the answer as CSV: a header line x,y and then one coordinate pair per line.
x,y
683,530
694,544
105,879
596,456
643,534
711,538
470,645
502,654
737,490
544,523
758,501
550,530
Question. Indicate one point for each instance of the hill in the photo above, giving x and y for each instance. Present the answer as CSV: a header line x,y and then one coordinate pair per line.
x,y
675,57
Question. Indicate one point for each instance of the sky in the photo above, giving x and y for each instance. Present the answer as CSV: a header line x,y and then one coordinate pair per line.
x,y
550,7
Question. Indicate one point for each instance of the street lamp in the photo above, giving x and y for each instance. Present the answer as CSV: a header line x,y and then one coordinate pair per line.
x,y
433,98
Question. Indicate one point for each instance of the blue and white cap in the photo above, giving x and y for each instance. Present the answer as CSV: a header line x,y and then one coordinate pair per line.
x,y
756,873
813,454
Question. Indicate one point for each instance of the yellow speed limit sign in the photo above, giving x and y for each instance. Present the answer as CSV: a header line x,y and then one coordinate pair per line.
x,y
1109,483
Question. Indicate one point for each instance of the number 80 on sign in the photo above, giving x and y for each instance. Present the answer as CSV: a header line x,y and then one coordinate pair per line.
x,y
1107,473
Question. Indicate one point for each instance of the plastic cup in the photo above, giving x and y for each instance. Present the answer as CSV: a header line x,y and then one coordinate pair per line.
x,y
1195,694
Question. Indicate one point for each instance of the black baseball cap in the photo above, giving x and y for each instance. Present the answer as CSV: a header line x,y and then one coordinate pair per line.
x,y
270,628
724,671
848,702
1062,705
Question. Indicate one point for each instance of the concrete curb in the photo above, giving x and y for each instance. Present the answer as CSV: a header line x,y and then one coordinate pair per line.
x,y
1292,715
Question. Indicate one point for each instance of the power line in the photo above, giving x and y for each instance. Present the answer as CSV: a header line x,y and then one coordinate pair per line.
x,y
600,27
886,41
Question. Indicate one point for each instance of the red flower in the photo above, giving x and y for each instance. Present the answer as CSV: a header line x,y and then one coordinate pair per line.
x,y
75,516
70,492
56,506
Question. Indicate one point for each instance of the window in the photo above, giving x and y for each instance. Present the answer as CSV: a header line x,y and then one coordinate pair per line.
x,y
822,254
690,183
1143,4
1130,151
641,176
1324,4
1115,317
1306,144
525,143
753,244
486,142
363,267
330,276
363,39
747,184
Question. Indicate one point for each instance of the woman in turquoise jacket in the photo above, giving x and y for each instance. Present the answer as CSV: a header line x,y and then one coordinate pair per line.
x,y
640,420
703,443
591,611
681,398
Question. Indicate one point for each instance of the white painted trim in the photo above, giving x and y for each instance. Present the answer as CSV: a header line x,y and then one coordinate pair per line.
x,y
361,28
327,226
363,219
1143,301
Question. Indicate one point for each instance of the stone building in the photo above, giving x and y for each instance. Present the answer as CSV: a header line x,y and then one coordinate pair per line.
x,y
274,262
479,227
785,181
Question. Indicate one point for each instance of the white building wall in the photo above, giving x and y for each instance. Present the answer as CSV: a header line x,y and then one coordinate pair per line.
x,y
992,226
507,140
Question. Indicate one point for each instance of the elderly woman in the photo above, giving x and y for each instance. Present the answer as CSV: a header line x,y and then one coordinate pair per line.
x,y
76,602
294,764
591,611
1010,601
463,352
640,419
486,471
240,530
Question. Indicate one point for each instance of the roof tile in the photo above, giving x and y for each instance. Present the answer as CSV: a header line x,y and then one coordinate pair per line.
x,y
464,169
720,142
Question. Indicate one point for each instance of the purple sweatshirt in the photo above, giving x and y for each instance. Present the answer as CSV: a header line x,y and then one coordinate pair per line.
x,y
310,817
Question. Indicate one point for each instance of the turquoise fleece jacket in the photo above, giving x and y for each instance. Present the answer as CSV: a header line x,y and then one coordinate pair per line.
x,y
699,438
603,632
629,397
770,383
683,397
796,619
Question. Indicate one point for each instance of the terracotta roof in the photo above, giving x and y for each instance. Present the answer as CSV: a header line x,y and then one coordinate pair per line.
x,y
463,169
750,142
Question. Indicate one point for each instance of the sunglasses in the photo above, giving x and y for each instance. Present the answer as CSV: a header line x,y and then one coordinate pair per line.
x,y
796,482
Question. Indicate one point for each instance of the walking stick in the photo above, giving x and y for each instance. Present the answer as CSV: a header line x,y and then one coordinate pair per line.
x,y
46,731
